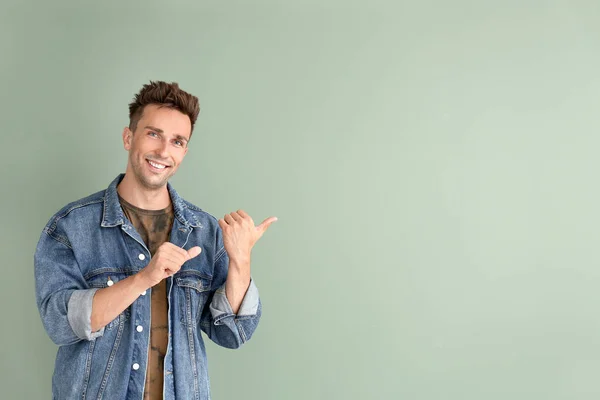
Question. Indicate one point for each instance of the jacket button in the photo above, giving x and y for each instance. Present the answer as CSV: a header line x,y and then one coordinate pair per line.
x,y
136,366
109,282
142,257
144,293
139,328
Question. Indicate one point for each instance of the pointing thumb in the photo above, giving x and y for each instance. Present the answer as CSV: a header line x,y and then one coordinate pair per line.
x,y
194,251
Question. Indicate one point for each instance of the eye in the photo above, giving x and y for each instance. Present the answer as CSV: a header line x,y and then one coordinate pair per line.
x,y
151,133
179,143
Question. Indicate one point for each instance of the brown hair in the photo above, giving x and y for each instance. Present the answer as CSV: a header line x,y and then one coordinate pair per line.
x,y
163,94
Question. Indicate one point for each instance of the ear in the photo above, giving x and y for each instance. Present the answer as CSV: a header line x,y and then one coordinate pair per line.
x,y
127,138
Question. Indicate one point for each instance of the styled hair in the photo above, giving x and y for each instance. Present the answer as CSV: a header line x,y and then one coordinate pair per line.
x,y
163,94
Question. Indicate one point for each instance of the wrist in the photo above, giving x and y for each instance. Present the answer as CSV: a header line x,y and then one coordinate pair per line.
x,y
141,282
240,261
239,271
236,283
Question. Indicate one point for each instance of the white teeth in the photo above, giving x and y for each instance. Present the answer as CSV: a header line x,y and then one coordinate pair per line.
x,y
159,166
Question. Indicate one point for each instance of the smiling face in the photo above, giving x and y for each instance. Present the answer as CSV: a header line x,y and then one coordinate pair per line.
x,y
157,146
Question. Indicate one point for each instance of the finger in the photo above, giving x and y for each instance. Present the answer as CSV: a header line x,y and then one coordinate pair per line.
x,y
168,245
236,216
245,216
222,223
229,219
172,268
171,254
177,258
266,223
163,247
193,252
173,248
170,248
167,261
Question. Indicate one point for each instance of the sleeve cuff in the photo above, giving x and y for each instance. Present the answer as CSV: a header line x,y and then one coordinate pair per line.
x,y
220,307
79,314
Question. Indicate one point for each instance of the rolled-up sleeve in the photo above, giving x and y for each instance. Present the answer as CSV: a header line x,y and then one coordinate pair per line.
x,y
79,314
63,299
218,321
220,306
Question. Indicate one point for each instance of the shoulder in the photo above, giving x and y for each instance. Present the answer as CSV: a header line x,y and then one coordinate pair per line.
x,y
89,205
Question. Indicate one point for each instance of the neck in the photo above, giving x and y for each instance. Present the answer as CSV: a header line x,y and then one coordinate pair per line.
x,y
140,196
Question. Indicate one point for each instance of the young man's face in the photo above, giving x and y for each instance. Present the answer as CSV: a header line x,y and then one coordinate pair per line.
x,y
157,146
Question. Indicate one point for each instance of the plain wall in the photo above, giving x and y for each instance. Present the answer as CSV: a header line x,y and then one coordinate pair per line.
x,y
433,165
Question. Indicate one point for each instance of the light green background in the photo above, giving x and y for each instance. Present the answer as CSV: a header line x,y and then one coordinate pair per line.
x,y
433,165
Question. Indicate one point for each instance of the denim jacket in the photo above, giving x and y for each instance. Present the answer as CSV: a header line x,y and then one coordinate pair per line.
x,y
90,244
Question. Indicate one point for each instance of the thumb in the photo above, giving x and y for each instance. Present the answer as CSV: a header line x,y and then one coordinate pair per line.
x,y
193,252
265,224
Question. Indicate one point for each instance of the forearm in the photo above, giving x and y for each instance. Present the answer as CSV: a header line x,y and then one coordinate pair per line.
x,y
109,302
238,280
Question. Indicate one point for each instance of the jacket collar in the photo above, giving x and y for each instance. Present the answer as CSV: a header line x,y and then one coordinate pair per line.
x,y
113,213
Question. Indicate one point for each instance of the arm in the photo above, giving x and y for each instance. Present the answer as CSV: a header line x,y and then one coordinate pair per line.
x,y
219,321
239,237
69,309
238,281
111,301
235,307
63,298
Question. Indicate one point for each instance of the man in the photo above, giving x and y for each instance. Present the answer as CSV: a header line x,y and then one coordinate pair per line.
x,y
127,278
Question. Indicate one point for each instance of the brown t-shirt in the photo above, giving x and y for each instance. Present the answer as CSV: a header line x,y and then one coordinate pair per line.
x,y
154,226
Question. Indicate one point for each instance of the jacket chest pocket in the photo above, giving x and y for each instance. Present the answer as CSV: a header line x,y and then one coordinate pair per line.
x,y
106,277
193,292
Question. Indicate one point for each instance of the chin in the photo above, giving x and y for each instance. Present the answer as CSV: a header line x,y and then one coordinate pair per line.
x,y
157,183
152,182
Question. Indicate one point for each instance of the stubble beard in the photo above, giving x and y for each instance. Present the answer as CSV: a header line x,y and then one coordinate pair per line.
x,y
154,183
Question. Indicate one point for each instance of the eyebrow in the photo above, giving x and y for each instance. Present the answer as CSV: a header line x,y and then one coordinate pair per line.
x,y
177,136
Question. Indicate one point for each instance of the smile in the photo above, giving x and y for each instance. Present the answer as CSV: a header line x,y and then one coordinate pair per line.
x,y
156,165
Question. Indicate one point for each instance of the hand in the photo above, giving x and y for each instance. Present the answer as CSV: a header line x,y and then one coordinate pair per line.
x,y
240,234
167,260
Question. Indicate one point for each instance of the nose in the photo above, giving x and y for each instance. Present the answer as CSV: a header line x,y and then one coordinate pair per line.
x,y
162,149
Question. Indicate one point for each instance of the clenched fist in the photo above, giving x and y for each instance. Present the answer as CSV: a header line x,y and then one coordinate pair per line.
x,y
167,260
